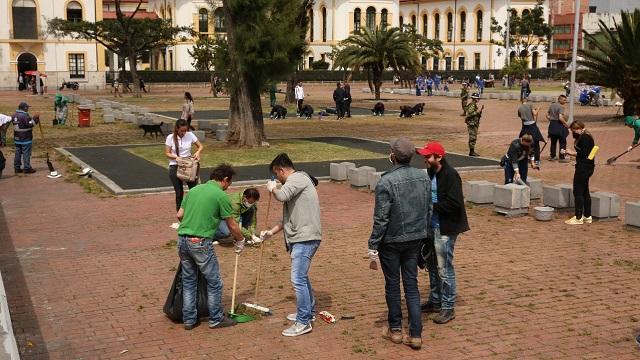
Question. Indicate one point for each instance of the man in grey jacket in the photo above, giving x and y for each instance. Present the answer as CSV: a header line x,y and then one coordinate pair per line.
x,y
400,224
302,234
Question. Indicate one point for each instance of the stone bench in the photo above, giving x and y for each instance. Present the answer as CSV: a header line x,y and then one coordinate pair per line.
x,y
199,134
108,119
340,171
605,205
221,134
374,177
359,177
536,188
632,213
556,196
479,192
511,199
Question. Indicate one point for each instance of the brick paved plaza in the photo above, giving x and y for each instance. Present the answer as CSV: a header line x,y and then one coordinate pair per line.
x,y
86,277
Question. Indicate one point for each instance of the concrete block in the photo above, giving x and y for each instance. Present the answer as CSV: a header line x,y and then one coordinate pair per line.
x,y
108,119
130,118
613,201
555,197
143,110
348,165
511,196
479,192
221,134
166,128
205,124
536,188
337,172
451,94
632,213
366,90
199,134
374,177
568,191
606,102
600,205
513,96
504,96
359,177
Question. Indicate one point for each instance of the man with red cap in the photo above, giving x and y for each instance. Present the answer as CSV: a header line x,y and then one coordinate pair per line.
x,y
448,220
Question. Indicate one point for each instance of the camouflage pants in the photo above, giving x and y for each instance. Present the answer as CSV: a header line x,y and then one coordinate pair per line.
x,y
464,106
472,127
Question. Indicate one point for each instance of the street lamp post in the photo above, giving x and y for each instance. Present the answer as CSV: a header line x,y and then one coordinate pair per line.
x,y
574,58
507,52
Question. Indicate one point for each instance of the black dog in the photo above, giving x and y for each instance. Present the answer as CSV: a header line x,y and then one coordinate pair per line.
x,y
406,111
152,129
378,109
278,112
306,112
418,109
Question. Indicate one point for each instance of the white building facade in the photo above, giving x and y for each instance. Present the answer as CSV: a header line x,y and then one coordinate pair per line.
x,y
25,44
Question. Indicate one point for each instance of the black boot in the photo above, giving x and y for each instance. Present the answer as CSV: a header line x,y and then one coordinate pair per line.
x,y
472,152
445,316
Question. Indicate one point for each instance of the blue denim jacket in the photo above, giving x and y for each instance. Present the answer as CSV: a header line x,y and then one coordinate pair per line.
x,y
403,206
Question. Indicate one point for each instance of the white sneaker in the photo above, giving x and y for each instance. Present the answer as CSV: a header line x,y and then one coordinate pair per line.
x,y
297,329
175,225
292,317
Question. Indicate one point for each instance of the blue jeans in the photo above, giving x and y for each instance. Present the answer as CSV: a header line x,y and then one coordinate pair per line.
x,y
301,255
396,258
23,152
202,256
509,171
442,276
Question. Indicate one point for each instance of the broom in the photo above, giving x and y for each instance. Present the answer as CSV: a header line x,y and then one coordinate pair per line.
x,y
611,160
52,172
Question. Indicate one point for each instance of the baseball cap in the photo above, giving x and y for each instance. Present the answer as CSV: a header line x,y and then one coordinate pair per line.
x,y
432,148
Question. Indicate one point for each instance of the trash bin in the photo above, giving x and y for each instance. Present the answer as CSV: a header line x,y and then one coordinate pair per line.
x,y
84,116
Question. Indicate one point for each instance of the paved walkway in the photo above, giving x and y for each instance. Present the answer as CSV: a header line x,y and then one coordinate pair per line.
x,y
86,278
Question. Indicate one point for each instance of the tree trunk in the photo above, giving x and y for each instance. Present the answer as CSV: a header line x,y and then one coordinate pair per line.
x,y
377,81
290,97
369,82
134,73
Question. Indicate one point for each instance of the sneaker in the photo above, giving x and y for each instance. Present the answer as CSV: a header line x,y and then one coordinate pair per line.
x,y
29,171
430,307
552,158
297,329
292,317
395,335
473,153
191,326
574,221
587,220
445,316
638,340
226,322
175,225
18,171
412,342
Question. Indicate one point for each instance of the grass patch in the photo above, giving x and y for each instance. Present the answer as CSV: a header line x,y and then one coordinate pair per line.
x,y
298,150
628,264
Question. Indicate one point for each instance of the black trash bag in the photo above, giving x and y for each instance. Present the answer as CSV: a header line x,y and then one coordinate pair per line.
x,y
173,305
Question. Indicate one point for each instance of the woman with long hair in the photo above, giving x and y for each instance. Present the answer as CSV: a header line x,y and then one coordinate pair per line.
x,y
188,109
585,165
179,144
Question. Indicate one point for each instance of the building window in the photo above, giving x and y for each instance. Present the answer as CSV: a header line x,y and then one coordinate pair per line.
x,y
25,22
534,60
479,26
413,21
145,57
74,11
218,20
401,21
424,61
476,61
324,24
383,18
310,60
356,20
562,44
436,64
203,21
169,13
371,18
436,33
526,12
76,66
461,63
593,9
447,63
463,26
311,25
449,27
425,28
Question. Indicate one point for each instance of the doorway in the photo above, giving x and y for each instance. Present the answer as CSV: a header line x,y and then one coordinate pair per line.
x,y
27,62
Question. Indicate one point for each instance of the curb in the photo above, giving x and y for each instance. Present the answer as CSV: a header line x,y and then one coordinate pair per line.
x,y
9,345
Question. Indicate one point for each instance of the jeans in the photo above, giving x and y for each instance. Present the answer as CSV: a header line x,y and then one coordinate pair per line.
x,y
178,185
509,171
442,276
245,220
397,258
301,255
581,190
202,256
23,152
554,140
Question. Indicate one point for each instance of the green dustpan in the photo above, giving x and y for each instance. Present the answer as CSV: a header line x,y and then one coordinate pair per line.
x,y
240,318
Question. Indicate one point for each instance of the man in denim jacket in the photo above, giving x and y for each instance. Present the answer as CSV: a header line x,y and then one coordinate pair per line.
x,y
400,225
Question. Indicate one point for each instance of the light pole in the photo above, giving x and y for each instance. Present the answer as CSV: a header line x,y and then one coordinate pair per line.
x,y
507,52
574,58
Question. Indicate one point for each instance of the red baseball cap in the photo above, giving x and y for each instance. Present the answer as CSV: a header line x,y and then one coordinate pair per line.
x,y
432,148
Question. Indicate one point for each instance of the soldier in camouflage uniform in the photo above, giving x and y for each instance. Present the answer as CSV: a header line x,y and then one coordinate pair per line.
x,y
464,97
472,120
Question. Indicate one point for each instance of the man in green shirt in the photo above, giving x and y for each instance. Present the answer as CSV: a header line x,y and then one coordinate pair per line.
x,y
633,123
244,208
200,215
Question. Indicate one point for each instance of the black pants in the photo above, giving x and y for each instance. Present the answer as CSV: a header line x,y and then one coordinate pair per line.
x,y
178,185
534,131
299,109
347,108
340,109
563,145
581,189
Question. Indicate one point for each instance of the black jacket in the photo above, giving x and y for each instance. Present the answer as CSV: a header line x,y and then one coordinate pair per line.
x,y
339,95
450,205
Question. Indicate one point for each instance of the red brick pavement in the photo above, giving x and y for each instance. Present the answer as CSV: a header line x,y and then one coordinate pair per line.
x,y
86,279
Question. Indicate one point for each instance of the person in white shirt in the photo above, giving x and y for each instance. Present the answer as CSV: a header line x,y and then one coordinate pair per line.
x,y
299,92
183,139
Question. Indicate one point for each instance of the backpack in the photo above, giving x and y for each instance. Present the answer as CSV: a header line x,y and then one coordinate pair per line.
x,y
188,167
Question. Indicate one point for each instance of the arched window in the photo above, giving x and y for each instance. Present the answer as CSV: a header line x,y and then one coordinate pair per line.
x,y
218,20
512,56
162,13
449,27
25,20
74,11
356,20
384,22
413,21
461,62
324,24
436,26
525,12
534,60
169,16
463,26
401,21
425,24
479,25
371,18
203,20
311,25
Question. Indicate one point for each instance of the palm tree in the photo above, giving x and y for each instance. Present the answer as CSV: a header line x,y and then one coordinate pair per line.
x,y
376,51
614,60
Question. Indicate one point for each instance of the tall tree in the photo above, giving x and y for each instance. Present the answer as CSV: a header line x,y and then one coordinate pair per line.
x,y
125,35
614,61
375,51
302,22
202,53
528,32
257,54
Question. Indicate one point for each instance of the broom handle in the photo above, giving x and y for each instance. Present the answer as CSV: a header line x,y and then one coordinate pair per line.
x,y
233,292
266,220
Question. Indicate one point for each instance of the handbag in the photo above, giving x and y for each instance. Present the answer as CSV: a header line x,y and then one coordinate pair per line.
x,y
173,305
188,168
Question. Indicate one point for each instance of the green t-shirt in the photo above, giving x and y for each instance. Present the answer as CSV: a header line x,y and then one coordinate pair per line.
x,y
204,207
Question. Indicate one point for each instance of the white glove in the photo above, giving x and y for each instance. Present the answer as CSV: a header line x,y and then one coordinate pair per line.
x,y
629,148
255,240
238,246
271,185
265,234
373,255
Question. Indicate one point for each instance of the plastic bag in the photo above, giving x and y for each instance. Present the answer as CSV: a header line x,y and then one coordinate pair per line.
x,y
173,305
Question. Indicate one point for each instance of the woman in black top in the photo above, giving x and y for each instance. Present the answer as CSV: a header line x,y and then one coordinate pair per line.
x,y
583,145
